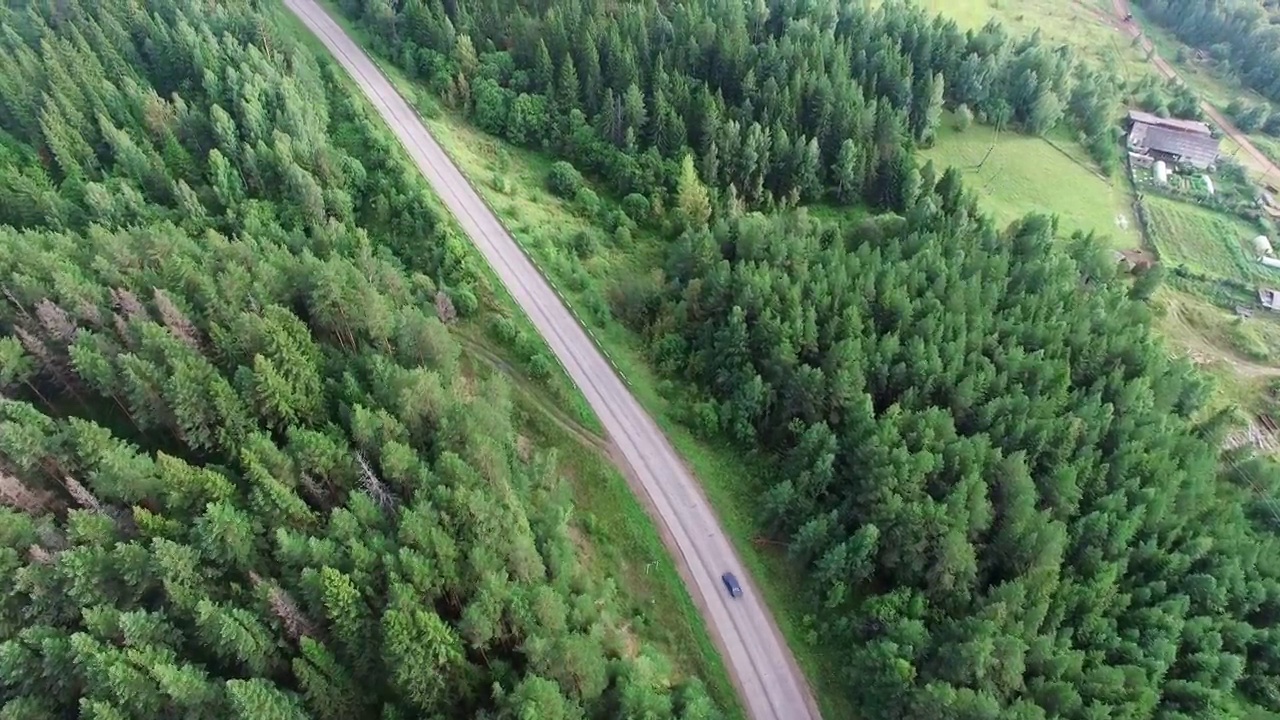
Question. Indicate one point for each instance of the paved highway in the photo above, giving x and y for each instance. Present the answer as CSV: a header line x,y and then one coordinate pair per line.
x,y
768,680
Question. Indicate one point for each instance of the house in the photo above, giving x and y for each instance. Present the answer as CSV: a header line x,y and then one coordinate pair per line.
x,y
1269,298
1179,147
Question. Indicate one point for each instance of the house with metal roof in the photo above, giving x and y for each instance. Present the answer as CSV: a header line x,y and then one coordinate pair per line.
x,y
1174,145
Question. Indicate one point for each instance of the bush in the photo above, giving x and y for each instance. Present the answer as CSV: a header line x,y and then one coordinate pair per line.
x,y
564,180
588,203
541,366
597,309
584,244
464,301
636,206
505,330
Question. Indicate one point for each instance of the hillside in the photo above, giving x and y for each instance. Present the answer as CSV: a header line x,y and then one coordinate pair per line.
x,y
251,465
1003,493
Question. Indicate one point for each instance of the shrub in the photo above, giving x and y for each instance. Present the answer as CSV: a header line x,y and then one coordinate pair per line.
x,y
588,202
636,206
564,180
541,366
584,244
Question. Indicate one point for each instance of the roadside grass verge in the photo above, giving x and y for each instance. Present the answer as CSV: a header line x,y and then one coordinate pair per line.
x,y
619,540
512,181
1203,240
1024,174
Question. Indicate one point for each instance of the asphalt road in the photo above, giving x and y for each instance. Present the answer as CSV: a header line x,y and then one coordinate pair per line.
x,y
769,682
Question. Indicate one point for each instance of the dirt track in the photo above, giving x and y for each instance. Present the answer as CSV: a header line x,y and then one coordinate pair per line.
x,y
1255,157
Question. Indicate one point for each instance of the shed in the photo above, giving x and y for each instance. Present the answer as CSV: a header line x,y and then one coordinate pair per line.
x,y
1269,298
1133,260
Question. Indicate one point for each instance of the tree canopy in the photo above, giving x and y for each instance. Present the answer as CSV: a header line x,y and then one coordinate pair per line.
x,y
243,473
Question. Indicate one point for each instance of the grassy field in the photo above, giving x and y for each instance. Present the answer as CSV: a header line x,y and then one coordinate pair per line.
x,y
1026,174
1205,241
1082,24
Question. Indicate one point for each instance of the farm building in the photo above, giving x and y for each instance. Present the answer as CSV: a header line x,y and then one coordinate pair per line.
x,y
1181,142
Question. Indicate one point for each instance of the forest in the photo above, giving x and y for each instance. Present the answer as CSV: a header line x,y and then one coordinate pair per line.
x,y
782,101
1241,34
244,471
1009,500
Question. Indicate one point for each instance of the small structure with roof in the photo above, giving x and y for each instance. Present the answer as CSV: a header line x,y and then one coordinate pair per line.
x,y
1133,260
1269,298
1161,171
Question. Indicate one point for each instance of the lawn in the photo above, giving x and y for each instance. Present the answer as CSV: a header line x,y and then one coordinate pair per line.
x,y
1204,241
1026,174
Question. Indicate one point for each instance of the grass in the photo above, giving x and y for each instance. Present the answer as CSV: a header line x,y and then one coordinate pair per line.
x,y
1026,174
1081,23
1204,241
619,540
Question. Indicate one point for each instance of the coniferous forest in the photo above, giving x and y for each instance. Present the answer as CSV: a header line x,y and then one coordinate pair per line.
x,y
1009,500
244,473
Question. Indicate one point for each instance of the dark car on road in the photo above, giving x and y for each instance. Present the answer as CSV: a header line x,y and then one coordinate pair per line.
x,y
731,582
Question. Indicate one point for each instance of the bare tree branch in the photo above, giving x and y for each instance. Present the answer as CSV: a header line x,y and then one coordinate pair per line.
x,y
374,486
16,494
56,322
177,321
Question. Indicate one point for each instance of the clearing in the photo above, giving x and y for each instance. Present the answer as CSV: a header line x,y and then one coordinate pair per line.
x,y
1025,174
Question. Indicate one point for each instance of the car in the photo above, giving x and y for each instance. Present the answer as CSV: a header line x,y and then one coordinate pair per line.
x,y
731,582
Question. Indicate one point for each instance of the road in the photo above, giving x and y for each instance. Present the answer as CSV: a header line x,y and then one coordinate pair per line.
x,y
767,677
1256,157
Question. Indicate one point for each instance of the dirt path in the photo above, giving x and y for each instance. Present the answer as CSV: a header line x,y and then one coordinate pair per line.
x,y
1131,28
1204,350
